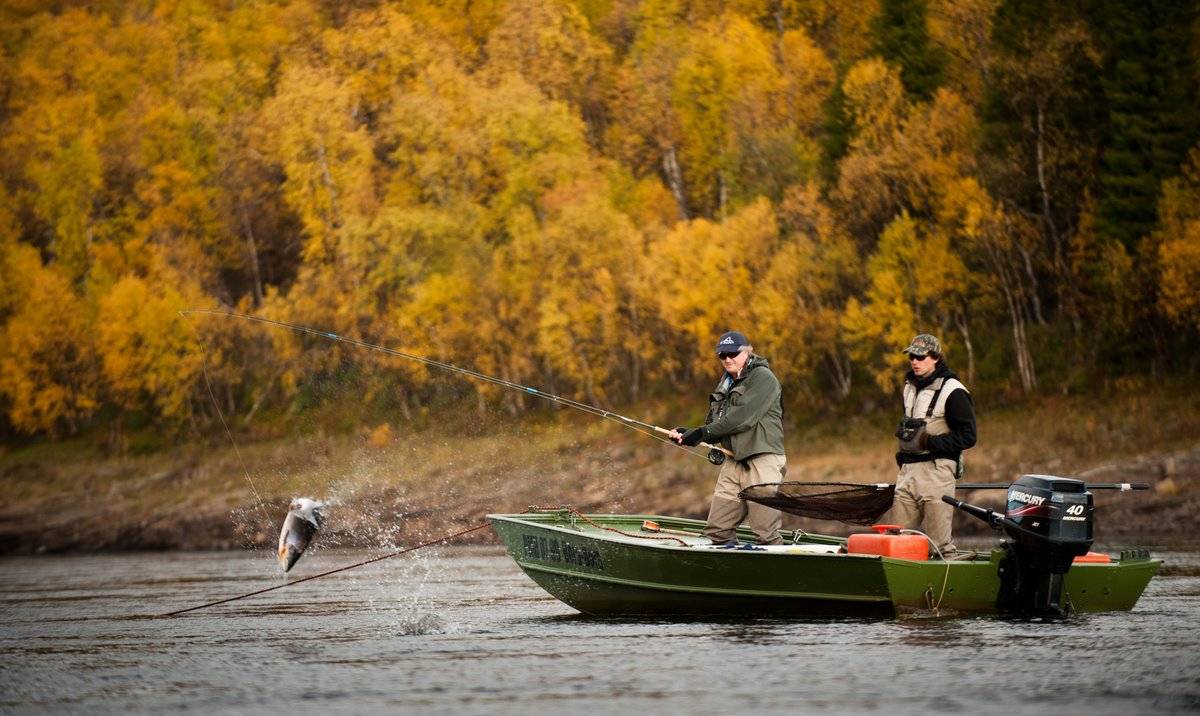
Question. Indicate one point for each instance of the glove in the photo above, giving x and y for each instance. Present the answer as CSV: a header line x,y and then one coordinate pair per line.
x,y
693,437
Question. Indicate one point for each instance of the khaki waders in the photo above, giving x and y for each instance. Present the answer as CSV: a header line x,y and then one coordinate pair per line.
x,y
918,502
920,485
727,510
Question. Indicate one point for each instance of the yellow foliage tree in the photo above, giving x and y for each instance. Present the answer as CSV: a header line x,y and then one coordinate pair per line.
x,y
798,306
1001,244
549,43
17,261
375,53
842,28
874,103
917,284
1179,258
734,125
585,307
963,28
176,198
707,277
326,154
876,108
64,171
808,78
48,371
149,355
1178,240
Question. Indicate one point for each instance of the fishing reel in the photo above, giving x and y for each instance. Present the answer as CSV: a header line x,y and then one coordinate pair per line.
x,y
716,456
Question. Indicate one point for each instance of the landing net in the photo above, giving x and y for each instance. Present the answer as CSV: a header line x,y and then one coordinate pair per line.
x,y
855,503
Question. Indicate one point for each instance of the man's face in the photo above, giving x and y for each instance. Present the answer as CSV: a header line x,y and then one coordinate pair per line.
x,y
921,365
733,363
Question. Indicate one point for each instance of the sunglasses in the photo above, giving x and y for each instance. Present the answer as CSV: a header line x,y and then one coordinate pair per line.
x,y
914,356
727,356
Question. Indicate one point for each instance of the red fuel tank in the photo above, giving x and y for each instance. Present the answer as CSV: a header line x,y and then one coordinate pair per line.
x,y
889,543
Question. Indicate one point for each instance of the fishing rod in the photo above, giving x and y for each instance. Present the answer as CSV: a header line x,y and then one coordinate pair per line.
x,y
590,409
1122,486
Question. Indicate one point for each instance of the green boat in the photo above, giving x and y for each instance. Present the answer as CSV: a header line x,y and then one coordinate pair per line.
x,y
634,565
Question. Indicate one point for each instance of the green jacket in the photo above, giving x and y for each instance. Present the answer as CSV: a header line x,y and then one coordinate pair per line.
x,y
746,414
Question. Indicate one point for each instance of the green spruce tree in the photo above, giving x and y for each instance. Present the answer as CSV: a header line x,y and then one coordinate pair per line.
x,y
900,35
1150,86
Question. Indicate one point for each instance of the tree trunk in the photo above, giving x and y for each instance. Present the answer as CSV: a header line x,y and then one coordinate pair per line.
x,y
1033,285
1008,276
722,195
635,373
840,374
1067,290
589,379
1021,343
961,324
674,179
252,246
259,400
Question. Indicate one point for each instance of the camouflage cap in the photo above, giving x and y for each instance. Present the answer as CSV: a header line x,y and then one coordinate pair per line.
x,y
923,344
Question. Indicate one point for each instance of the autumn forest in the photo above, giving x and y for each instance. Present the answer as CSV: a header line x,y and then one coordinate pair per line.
x,y
580,195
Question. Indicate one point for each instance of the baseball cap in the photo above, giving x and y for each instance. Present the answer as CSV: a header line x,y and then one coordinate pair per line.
x,y
732,342
923,344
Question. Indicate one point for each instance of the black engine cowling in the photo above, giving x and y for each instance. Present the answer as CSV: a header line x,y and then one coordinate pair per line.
x,y
1049,520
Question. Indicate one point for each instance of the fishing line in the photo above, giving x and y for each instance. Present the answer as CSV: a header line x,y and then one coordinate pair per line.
x,y
261,503
439,540
647,429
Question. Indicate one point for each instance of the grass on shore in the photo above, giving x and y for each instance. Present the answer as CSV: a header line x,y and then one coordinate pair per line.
x,y
389,483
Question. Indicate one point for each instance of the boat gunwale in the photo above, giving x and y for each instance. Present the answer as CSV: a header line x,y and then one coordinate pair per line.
x,y
983,557
661,541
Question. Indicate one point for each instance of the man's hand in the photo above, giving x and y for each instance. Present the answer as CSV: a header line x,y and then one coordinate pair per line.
x,y
691,437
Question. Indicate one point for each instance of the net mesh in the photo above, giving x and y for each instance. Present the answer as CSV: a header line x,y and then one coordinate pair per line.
x,y
854,503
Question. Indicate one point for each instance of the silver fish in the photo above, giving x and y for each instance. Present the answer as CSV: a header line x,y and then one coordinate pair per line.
x,y
303,520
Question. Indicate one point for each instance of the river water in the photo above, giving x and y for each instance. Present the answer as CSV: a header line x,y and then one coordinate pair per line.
x,y
463,631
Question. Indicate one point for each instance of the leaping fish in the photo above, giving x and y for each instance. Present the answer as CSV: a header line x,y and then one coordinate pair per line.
x,y
303,520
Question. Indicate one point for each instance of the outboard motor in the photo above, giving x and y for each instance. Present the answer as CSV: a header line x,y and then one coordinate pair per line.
x,y
1049,520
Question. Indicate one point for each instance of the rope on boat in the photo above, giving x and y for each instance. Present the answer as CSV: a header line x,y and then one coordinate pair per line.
x,y
585,518
933,606
439,540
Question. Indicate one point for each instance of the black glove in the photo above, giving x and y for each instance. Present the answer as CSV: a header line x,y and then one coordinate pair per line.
x,y
693,437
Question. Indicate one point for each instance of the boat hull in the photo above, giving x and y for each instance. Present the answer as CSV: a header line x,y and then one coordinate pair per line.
x,y
606,565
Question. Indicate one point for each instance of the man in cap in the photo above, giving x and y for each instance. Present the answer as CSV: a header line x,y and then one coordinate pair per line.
x,y
938,424
745,416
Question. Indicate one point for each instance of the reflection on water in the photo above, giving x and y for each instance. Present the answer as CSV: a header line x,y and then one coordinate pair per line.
x,y
463,631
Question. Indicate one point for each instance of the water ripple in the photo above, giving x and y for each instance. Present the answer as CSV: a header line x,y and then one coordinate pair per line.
x,y
466,632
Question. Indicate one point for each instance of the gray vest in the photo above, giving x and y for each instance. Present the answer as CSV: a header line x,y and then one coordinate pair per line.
x,y
930,403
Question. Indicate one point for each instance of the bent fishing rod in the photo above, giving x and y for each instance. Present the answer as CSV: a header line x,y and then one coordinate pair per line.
x,y
628,422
